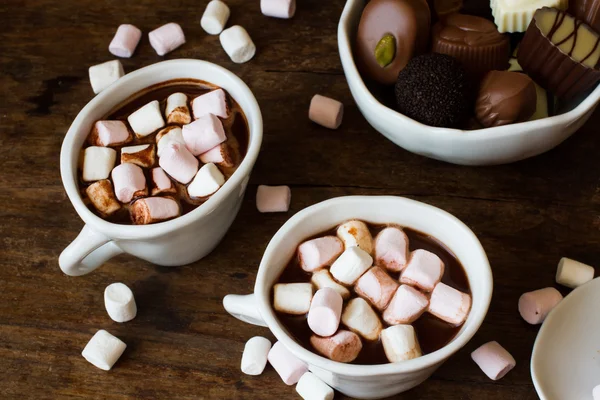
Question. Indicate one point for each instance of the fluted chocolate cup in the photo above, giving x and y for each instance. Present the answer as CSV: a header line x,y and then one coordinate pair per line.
x,y
587,11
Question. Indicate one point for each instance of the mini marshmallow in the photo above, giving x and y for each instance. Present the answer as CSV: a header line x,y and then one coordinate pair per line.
x,y
215,17
153,209
254,358
102,197
319,253
377,287
325,312
237,44
493,360
105,74
207,181
359,317
177,110
213,102
98,162
166,38
273,198
289,367
344,346
103,350
326,112
356,233
322,279
391,249
125,41
449,304
142,155
424,270
203,134
110,133
146,119
310,387
161,183
178,162
167,135
222,155
119,302
407,305
129,181
400,343
596,392
292,298
278,8
572,273
535,306
351,265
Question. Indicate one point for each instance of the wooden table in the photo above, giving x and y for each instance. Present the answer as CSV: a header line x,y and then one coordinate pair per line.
x,y
182,343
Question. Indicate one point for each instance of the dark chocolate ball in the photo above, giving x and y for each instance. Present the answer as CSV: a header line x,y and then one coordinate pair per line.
x,y
434,89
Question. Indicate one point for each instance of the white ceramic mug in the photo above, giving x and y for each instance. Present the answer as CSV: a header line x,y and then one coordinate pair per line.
x,y
182,240
368,381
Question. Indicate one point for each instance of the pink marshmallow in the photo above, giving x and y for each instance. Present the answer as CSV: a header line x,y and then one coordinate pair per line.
x,y
535,306
161,183
153,209
125,41
344,346
493,360
326,112
319,253
273,198
221,155
110,133
391,249
449,304
178,162
203,134
166,38
289,367
214,102
325,312
377,287
407,305
278,8
424,270
129,182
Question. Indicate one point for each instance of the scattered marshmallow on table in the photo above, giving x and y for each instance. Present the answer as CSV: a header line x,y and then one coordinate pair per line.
x,y
125,41
400,343
292,298
254,358
391,249
166,38
177,110
221,155
377,287
571,273
493,360
207,181
215,17
237,44
449,304
310,387
318,253
326,112
105,74
278,8
213,102
119,302
103,350
407,305
142,155
167,135
98,162
322,279
203,134
353,262
110,133
178,162
359,317
289,367
325,312
103,198
424,270
535,306
344,346
273,198
356,233
146,119
154,209
129,181
161,183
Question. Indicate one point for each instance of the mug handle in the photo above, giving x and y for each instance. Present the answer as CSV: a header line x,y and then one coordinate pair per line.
x,y
244,308
87,252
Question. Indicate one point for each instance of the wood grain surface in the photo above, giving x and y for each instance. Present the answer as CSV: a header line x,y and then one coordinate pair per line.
x,y
182,343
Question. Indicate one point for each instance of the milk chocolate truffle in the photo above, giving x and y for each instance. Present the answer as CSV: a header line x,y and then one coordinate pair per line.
x,y
504,98
472,40
434,90
587,11
389,34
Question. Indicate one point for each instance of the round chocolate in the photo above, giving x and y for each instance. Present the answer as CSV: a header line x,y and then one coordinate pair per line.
x,y
434,90
403,24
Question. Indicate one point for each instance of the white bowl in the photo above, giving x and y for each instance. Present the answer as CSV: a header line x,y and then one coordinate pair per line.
x,y
498,145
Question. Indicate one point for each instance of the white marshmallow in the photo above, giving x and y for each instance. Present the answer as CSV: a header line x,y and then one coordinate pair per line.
x,y
289,367
292,298
147,119
167,135
215,17
493,360
254,358
237,44
356,233
310,387
400,343
449,304
103,198
125,41
105,74
318,253
360,318
103,350
351,265
207,181
406,306
391,249
322,279
278,8
424,270
571,273
119,302
177,110
142,155
98,162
